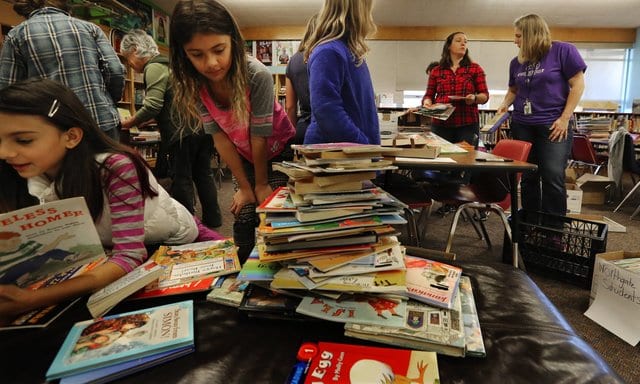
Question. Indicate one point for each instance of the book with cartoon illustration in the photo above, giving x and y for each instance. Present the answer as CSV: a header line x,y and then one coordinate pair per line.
x,y
431,282
363,309
339,363
191,267
424,327
46,244
119,338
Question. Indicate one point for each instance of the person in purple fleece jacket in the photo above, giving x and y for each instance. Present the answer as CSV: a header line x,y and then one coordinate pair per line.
x,y
342,99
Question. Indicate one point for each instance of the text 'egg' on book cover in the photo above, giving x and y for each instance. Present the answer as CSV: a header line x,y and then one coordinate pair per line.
x,y
359,364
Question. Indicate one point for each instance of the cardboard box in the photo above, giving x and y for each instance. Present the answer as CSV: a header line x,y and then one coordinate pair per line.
x,y
574,198
605,270
614,300
570,175
594,188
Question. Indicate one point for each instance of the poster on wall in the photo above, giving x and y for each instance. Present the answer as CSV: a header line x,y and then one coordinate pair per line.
x,y
283,50
161,27
264,51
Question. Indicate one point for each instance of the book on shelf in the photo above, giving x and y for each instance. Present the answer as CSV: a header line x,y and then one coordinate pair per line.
x,y
117,371
228,290
341,363
191,267
103,300
431,282
46,244
123,337
423,327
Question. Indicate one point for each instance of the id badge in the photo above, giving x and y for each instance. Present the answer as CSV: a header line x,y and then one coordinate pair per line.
x,y
527,107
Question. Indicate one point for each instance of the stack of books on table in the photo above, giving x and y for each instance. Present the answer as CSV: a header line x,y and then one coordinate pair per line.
x,y
171,270
329,233
112,347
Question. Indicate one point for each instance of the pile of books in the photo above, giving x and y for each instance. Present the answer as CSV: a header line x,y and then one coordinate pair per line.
x,y
112,347
333,255
330,232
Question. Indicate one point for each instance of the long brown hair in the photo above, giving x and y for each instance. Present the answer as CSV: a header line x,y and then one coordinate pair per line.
x,y
445,59
206,17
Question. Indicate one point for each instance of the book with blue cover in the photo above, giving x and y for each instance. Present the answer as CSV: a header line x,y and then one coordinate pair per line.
x,y
119,338
120,370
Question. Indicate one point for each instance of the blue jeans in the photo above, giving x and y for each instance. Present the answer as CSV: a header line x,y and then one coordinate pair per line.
x,y
544,190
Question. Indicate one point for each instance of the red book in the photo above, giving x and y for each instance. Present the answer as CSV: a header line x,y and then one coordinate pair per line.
x,y
199,285
353,364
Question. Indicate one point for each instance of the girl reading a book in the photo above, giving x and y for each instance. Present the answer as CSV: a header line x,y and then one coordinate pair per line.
x,y
231,96
51,149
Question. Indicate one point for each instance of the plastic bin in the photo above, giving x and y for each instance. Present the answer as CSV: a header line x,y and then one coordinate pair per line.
x,y
560,247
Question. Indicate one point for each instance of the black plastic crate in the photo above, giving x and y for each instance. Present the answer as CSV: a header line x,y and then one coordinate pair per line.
x,y
560,247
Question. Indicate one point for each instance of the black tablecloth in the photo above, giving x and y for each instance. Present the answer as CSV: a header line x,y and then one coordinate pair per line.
x,y
527,341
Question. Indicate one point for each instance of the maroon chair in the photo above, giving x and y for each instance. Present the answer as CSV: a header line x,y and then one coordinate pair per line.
x,y
487,191
583,154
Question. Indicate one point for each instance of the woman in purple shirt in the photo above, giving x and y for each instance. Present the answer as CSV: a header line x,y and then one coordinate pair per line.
x,y
546,81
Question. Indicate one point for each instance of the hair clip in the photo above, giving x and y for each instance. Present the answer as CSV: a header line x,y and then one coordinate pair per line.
x,y
54,108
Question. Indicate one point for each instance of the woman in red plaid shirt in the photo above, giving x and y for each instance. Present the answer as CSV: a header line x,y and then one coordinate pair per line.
x,y
460,82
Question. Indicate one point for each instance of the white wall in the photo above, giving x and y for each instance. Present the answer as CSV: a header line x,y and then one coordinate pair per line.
x,y
399,65
634,77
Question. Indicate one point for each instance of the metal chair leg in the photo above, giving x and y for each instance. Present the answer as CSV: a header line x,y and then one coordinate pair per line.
x,y
452,229
485,234
627,196
468,217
